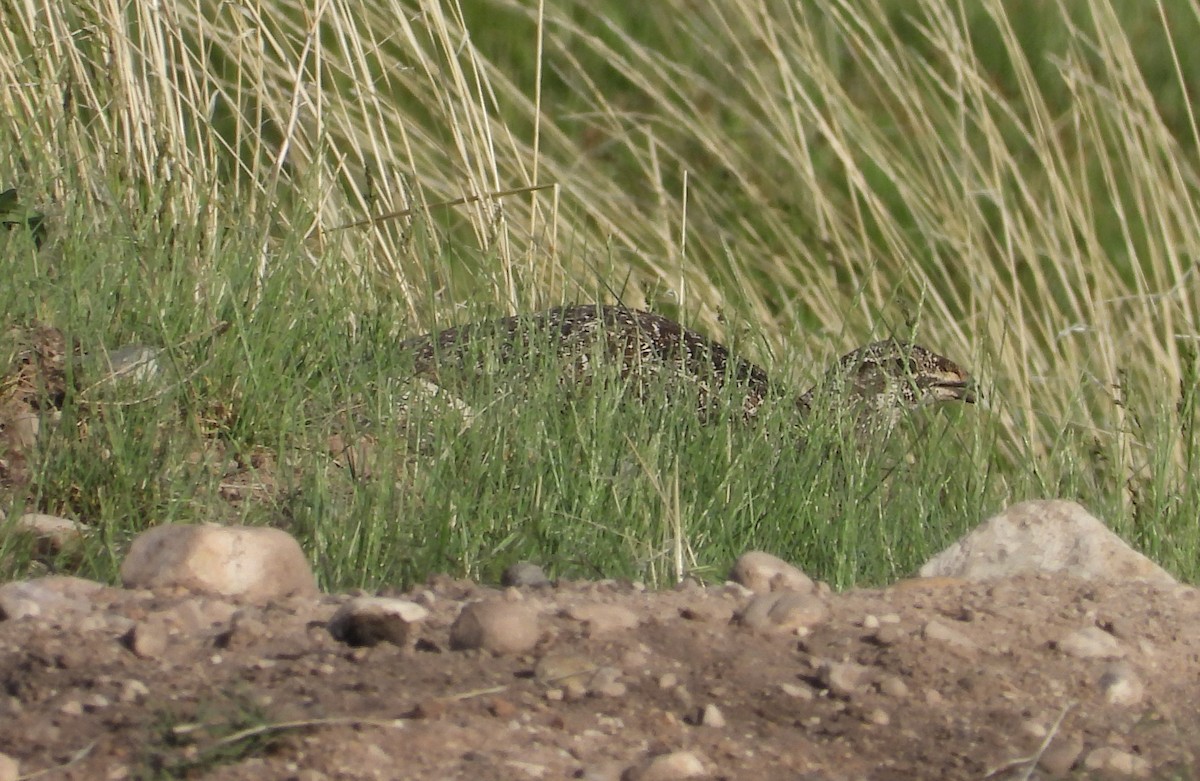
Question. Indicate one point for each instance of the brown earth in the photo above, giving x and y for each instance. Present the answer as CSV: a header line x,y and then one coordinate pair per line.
x,y
930,679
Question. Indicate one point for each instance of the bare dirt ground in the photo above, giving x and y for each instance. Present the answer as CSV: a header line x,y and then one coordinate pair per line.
x,y
932,679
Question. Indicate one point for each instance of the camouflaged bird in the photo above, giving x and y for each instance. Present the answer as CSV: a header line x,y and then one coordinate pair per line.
x,y
876,383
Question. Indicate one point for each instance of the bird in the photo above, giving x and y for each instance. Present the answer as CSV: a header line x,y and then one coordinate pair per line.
x,y
875,384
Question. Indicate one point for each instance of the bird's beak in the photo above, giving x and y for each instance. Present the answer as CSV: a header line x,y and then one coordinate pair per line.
x,y
957,390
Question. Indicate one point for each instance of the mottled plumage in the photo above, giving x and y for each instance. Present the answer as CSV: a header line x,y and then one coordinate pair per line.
x,y
883,378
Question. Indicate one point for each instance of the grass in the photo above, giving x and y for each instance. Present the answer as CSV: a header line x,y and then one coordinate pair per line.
x,y
1012,184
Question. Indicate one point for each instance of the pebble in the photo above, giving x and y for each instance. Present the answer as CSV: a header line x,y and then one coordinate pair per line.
x,y
1091,642
894,686
147,639
667,767
784,610
844,679
1121,685
762,573
1061,755
367,621
52,533
1117,761
951,637
496,625
10,769
711,716
599,618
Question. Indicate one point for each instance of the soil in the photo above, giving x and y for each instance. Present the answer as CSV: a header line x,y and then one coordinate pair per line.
x,y
937,679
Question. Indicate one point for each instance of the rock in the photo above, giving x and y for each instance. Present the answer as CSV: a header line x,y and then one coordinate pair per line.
x,y
10,769
1045,536
147,639
1116,761
1060,756
894,686
495,625
599,618
1121,685
365,621
1091,642
954,639
49,596
762,573
711,716
844,679
526,574
51,532
666,767
254,563
784,610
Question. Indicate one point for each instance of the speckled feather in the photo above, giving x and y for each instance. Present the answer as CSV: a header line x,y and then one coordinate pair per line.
x,y
886,376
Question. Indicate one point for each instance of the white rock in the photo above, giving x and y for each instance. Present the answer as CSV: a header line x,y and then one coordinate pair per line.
x,y
711,716
666,767
251,562
1044,536
761,573
1091,642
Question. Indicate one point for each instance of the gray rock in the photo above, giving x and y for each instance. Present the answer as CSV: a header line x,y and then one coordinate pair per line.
x,y
844,679
1044,536
50,596
366,621
762,573
496,625
257,564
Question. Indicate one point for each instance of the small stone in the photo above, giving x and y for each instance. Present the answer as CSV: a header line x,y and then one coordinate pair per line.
x,y
10,769
887,634
501,708
877,716
1091,642
1117,761
147,639
784,611
495,625
1121,685
797,691
844,679
667,767
870,622
893,686
524,574
667,680
133,690
256,563
951,637
71,708
1060,756
763,573
599,619
711,716
367,621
